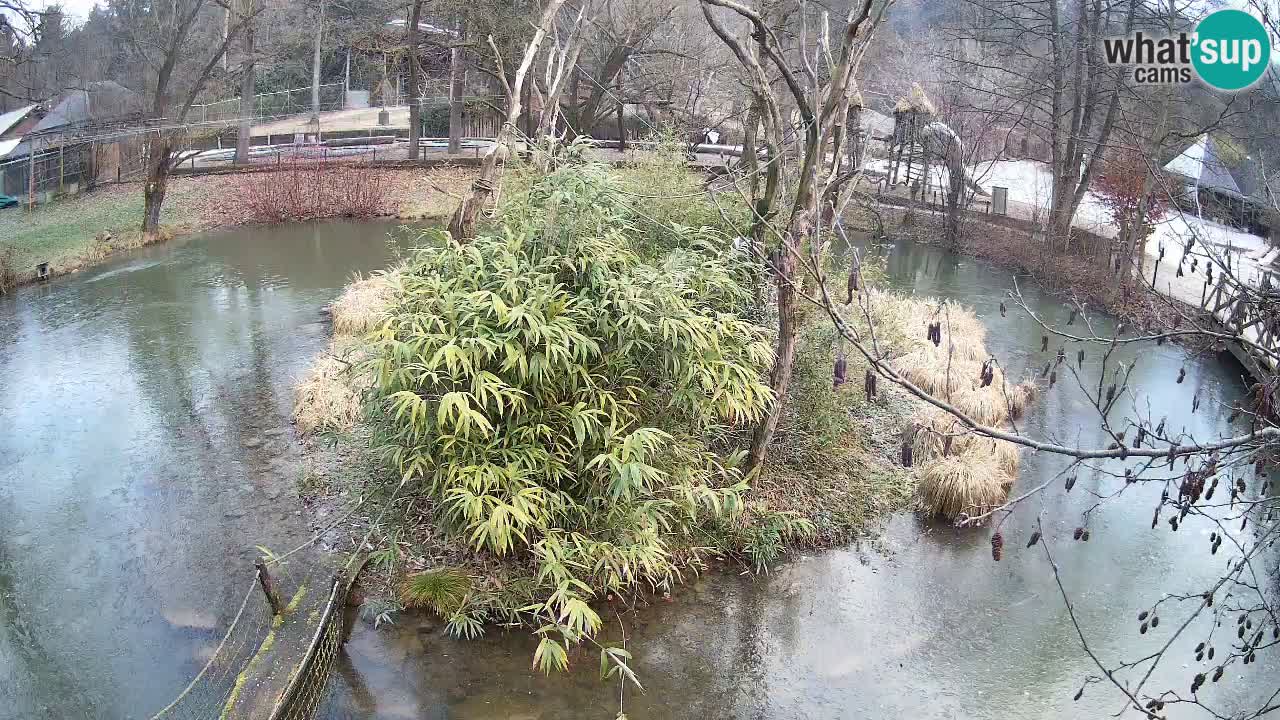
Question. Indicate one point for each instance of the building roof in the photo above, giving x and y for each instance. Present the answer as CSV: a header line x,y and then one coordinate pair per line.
x,y
11,119
1252,182
1202,164
424,27
100,101
7,146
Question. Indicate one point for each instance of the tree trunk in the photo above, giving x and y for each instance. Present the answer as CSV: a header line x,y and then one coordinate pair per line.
x,y
156,186
571,111
854,140
415,106
780,378
622,124
1124,248
784,263
955,197
248,89
315,68
457,84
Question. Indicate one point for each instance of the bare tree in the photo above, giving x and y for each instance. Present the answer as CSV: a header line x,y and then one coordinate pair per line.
x,y
182,62
36,59
822,103
457,86
315,65
1042,57
623,29
412,31
561,62
1139,449
248,79
463,223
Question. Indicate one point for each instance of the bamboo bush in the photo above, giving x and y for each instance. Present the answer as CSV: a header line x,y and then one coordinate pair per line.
x,y
559,396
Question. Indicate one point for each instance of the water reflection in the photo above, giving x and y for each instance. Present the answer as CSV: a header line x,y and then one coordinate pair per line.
x,y
144,453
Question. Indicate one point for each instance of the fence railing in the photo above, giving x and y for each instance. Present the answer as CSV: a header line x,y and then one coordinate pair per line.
x,y
294,101
306,691
57,168
214,688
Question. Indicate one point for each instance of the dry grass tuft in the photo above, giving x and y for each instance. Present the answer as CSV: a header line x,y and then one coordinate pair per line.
x,y
967,483
328,398
363,304
959,472
936,433
950,370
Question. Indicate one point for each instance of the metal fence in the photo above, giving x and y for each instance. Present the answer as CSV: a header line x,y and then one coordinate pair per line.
x,y
214,688
309,683
281,103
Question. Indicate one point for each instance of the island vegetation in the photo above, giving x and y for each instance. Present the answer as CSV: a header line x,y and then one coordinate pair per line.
x,y
558,411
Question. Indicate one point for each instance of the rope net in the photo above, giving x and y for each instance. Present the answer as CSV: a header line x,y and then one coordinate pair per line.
x,y
218,681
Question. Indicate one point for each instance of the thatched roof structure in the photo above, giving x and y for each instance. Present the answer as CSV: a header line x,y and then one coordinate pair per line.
x,y
916,101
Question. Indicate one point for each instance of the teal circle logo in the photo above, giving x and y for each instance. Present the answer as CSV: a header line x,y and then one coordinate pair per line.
x,y
1232,50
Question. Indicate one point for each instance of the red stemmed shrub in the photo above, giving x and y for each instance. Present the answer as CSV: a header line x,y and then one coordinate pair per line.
x,y
312,189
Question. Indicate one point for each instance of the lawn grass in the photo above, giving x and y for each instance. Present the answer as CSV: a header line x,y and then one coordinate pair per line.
x,y
61,233
74,233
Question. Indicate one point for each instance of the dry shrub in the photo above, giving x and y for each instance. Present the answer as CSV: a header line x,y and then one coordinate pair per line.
x,y
1085,272
363,304
310,190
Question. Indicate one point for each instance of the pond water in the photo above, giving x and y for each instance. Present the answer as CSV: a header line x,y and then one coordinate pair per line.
x,y
145,451
930,628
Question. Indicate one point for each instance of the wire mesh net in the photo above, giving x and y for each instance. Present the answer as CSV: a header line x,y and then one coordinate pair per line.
x,y
220,678
308,690
269,105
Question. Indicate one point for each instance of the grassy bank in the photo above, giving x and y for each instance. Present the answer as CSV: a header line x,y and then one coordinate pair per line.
x,y
79,232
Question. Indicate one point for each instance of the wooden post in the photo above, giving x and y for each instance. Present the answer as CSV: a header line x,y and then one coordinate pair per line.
x,y
268,588
622,124
31,176
62,168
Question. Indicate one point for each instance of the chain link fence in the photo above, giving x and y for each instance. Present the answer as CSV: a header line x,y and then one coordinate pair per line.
x,y
308,687
282,103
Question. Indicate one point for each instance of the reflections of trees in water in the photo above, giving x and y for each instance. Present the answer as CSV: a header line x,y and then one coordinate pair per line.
x,y
136,396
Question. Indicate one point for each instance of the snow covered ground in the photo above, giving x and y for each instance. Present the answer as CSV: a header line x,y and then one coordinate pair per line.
x,y
1029,184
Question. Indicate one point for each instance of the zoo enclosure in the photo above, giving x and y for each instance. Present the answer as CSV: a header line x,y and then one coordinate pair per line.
x,y
282,103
